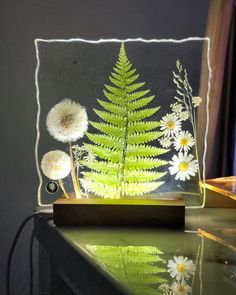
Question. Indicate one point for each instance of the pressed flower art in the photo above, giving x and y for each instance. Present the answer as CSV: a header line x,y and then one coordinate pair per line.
x,y
67,121
125,158
56,165
127,125
185,164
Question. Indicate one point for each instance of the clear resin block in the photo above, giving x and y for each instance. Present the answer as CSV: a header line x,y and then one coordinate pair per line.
x,y
146,115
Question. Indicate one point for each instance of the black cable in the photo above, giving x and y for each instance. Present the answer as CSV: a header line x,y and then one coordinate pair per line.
x,y
13,246
31,254
31,257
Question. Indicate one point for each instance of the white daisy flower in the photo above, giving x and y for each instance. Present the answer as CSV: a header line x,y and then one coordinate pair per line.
x,y
56,164
181,268
183,166
183,141
196,100
181,288
184,115
170,125
165,142
164,288
176,107
67,121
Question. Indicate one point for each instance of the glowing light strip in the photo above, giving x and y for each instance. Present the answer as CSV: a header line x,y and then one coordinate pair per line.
x,y
189,39
37,124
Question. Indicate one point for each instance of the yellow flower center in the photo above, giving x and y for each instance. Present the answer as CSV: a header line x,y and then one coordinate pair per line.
x,y
183,141
183,166
66,120
57,168
170,125
181,288
181,267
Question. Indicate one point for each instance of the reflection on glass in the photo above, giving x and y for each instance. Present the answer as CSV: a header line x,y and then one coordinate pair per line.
x,y
140,268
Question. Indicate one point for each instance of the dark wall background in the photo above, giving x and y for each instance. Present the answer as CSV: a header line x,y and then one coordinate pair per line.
x,y
20,23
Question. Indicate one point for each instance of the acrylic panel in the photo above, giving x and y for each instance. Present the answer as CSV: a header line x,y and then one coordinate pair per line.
x,y
147,123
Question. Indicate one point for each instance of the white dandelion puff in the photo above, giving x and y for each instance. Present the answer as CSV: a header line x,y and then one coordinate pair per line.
x,y
183,166
170,125
196,100
181,268
183,141
56,165
67,121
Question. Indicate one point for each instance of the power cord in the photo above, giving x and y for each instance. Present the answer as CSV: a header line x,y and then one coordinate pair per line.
x,y
13,246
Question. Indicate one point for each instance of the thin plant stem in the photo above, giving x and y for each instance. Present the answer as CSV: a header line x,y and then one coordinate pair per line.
x,y
63,188
73,175
196,149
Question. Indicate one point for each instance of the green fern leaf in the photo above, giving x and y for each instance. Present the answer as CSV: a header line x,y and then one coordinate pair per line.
x,y
144,151
139,115
113,108
115,90
141,163
101,190
117,77
142,176
137,94
105,153
134,127
140,103
130,73
132,79
109,129
136,189
117,82
102,166
110,118
105,140
124,157
114,98
103,178
133,87
137,138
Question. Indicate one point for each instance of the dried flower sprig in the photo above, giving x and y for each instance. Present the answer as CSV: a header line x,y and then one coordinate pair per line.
x,y
183,165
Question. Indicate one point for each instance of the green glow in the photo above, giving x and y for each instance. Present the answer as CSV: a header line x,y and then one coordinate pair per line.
x,y
140,268
125,160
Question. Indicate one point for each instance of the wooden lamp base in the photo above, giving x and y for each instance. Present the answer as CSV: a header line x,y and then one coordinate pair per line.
x,y
168,213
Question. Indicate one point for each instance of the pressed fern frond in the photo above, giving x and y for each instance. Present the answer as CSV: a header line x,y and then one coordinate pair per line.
x,y
109,129
143,137
144,151
106,140
143,163
143,114
134,105
126,163
102,166
142,176
142,126
113,108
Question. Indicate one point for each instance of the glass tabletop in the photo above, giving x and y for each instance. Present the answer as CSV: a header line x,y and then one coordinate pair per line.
x,y
165,262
